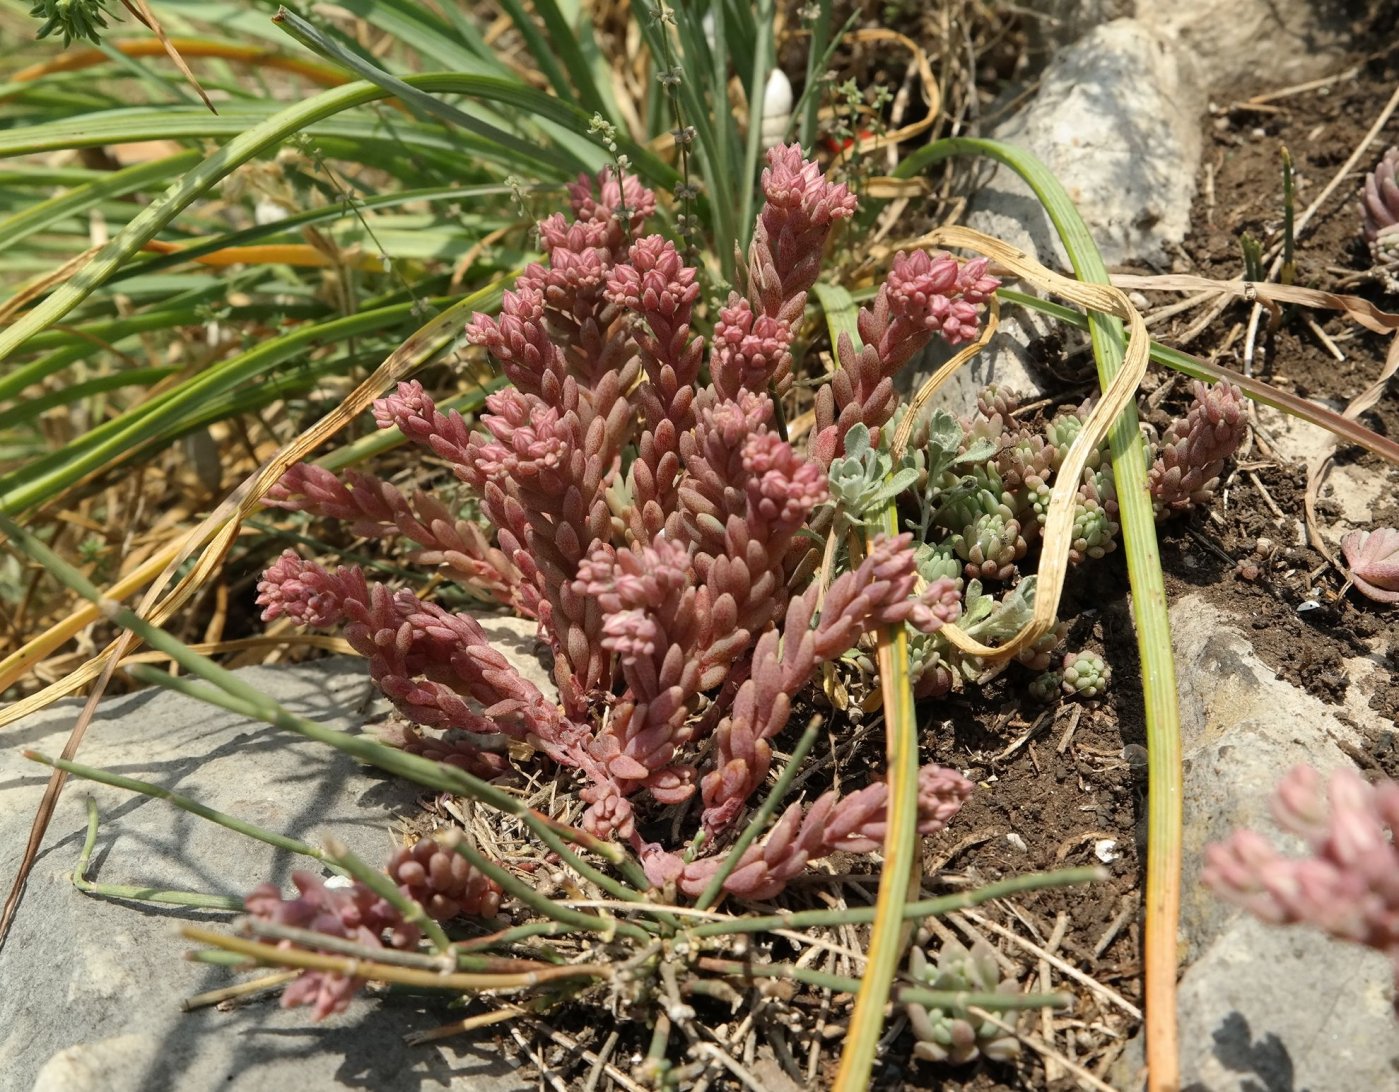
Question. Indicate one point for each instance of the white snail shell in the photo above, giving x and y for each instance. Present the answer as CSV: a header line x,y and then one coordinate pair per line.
x,y
777,108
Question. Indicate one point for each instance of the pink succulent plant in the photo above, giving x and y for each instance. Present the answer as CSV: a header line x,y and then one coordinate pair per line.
x,y
652,525
1348,887
1373,557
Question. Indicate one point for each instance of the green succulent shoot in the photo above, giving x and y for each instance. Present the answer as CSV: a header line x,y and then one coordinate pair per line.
x,y
865,480
953,1035
82,20
1085,674
990,621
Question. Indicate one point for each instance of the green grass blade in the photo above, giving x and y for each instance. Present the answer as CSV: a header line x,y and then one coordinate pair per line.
x,y
313,39
109,442
1165,778
574,41
757,88
31,409
262,137
46,214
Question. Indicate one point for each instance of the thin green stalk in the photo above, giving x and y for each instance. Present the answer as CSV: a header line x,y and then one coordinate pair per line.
x,y
913,911
423,771
655,26
388,972
310,938
715,887
217,957
887,937
570,41
184,803
31,409
227,691
953,1000
817,56
542,51
380,883
98,448
143,894
1352,432
762,68
1165,779
514,935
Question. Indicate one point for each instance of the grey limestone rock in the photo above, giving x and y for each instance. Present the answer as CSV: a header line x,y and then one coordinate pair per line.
x,y
1118,123
92,988
1117,120
1229,43
1260,1008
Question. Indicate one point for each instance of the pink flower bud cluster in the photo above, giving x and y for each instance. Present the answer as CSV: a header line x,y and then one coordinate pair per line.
x,y
443,882
354,913
1348,887
925,295
1194,449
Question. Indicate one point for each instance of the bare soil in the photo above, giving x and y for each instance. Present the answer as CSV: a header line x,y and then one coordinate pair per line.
x,y
1061,783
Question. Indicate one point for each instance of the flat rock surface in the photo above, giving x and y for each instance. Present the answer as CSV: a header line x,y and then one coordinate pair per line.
x,y
1116,120
92,988
1264,1009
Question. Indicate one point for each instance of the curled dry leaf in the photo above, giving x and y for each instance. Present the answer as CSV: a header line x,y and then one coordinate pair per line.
x,y
1373,558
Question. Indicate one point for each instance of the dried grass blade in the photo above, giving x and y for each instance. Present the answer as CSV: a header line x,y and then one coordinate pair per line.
x,y
220,528
141,10
1357,307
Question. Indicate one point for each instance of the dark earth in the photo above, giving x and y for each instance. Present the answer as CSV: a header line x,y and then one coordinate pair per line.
x,y
1079,776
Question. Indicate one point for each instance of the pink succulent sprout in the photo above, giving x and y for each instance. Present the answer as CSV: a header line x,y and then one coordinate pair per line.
x,y
437,668
878,593
1195,448
925,296
784,260
355,913
854,823
373,508
749,349
1348,887
1373,558
656,286
443,882
653,527
1379,201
